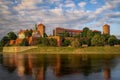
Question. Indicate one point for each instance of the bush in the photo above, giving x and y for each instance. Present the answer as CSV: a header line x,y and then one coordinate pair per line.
x,y
75,43
52,42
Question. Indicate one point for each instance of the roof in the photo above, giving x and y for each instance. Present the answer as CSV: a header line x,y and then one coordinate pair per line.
x,y
96,31
106,25
21,31
69,30
40,24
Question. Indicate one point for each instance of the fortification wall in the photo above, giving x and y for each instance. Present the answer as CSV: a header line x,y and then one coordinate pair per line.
x,y
17,48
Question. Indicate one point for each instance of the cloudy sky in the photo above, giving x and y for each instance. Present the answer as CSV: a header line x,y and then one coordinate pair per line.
x,y
75,14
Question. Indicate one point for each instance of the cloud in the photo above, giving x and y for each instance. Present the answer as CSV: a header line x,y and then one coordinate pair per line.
x,y
20,14
82,4
93,1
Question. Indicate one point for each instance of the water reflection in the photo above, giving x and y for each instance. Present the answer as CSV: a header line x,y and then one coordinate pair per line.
x,y
58,67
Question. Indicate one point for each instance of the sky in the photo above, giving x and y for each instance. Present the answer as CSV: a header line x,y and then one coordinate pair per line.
x,y
72,14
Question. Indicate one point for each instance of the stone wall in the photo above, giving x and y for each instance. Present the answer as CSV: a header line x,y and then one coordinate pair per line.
x,y
17,48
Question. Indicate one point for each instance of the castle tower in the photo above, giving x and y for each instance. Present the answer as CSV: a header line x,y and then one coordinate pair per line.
x,y
106,29
41,29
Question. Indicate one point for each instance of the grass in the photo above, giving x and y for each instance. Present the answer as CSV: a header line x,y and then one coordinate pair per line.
x,y
51,50
64,50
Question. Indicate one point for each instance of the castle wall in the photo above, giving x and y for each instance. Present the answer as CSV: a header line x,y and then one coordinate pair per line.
x,y
18,48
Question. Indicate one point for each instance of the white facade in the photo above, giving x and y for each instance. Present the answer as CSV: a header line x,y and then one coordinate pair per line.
x,y
21,36
35,34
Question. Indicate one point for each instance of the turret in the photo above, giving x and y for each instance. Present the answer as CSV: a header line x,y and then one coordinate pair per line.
x,y
106,29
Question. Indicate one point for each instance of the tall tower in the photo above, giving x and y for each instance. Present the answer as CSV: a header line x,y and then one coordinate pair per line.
x,y
41,29
106,29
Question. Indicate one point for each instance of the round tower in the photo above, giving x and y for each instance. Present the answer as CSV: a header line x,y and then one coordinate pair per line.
x,y
106,29
41,29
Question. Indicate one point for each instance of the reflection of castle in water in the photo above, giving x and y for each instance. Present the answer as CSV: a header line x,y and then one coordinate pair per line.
x,y
36,65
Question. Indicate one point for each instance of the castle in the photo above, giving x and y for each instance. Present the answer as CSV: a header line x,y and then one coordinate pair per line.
x,y
39,31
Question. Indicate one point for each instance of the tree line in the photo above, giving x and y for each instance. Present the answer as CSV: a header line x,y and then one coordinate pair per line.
x,y
86,37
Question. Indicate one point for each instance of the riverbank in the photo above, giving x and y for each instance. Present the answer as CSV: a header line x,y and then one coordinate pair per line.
x,y
65,50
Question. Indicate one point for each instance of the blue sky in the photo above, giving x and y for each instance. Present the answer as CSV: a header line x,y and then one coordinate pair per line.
x,y
75,14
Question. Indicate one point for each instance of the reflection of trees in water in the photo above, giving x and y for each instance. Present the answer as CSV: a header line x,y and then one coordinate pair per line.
x,y
86,64
36,65
1,58
9,62
70,64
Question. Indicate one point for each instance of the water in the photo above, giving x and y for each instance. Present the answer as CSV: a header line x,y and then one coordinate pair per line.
x,y
59,67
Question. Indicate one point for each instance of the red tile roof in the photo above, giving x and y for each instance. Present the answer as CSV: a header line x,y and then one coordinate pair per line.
x,y
69,30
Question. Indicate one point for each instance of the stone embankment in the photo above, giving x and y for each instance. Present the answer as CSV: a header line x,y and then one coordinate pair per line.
x,y
18,48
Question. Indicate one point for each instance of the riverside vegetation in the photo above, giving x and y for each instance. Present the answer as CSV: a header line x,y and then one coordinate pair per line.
x,y
66,50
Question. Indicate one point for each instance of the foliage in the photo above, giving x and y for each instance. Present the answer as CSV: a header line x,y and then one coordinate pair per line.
x,y
45,41
4,41
65,42
75,43
53,42
90,34
45,35
24,42
118,41
84,40
85,30
98,40
97,33
112,40
28,33
12,36
106,36
39,40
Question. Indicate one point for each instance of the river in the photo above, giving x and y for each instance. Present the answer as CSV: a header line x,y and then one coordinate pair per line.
x,y
59,67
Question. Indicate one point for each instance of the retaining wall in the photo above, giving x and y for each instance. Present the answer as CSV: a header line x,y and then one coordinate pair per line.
x,y
17,48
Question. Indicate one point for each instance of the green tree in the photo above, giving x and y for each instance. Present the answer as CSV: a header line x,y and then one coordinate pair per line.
x,y
75,43
45,41
12,36
106,36
45,35
118,41
65,42
4,41
28,33
85,30
53,42
98,40
112,40
24,42
90,34
96,33
39,41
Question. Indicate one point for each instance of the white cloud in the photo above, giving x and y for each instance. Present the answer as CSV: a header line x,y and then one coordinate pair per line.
x,y
82,4
27,4
93,1
70,5
25,14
